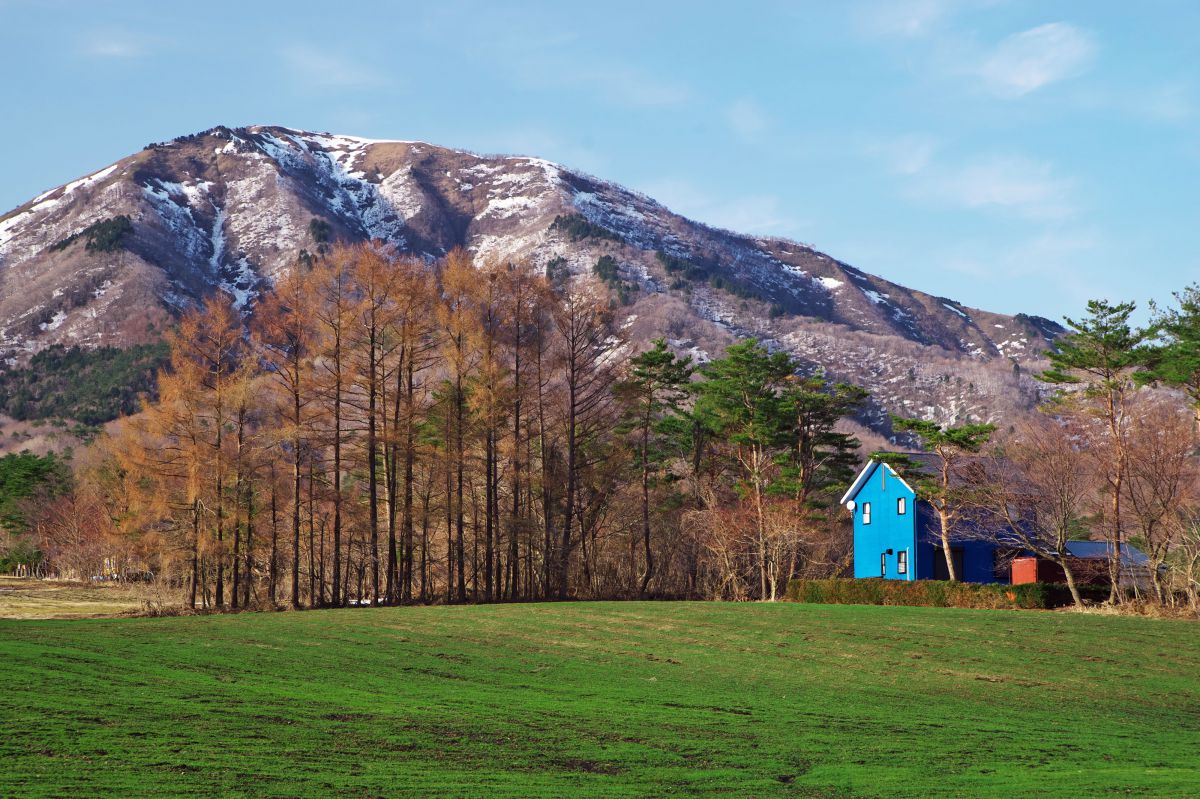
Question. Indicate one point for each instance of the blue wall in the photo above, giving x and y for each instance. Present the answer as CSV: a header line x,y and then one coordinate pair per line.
x,y
917,531
978,559
888,528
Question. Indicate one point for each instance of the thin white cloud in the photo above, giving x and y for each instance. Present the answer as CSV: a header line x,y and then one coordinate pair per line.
x,y
1168,103
620,85
756,214
537,54
1014,184
747,118
543,143
116,44
630,86
904,155
1063,260
901,18
1025,62
321,68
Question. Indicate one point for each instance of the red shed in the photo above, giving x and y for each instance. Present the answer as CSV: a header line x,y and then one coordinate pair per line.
x,y
1089,565
1036,570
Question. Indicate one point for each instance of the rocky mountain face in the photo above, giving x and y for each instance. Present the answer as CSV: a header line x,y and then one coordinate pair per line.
x,y
110,258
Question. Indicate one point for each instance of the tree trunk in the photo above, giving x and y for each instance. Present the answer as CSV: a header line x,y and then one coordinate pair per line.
x,y
459,458
297,496
195,552
273,568
372,465
944,523
391,479
249,566
449,512
1114,558
1115,418
760,523
425,543
219,479
337,470
297,504
235,554
409,457
1070,578
313,598
513,572
237,509
489,497
649,573
564,553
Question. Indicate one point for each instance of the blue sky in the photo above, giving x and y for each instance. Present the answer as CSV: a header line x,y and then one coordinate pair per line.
x,y
1013,155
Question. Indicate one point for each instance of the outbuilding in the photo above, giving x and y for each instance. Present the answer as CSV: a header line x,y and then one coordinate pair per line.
x,y
1089,565
897,534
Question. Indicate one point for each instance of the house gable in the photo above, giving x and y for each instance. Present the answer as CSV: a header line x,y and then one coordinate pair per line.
x,y
912,536
885,513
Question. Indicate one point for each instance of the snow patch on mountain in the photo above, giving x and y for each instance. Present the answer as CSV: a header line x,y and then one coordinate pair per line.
x,y
958,311
176,216
504,207
83,182
55,322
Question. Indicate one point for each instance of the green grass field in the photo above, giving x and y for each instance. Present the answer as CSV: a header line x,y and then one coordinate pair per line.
x,y
602,699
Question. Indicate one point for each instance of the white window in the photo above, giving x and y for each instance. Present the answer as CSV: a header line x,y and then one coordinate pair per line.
x,y
866,513
901,506
883,564
902,561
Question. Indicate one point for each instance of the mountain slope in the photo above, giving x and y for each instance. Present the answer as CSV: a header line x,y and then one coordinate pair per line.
x,y
233,208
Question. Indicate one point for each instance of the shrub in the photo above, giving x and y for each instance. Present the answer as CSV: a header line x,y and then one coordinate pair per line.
x,y
25,477
557,270
685,269
102,236
88,386
319,230
935,593
702,270
606,270
577,227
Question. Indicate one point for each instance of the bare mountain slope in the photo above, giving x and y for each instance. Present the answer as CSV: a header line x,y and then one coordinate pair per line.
x,y
232,208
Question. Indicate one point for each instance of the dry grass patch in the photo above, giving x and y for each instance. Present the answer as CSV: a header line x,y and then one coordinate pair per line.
x,y
59,599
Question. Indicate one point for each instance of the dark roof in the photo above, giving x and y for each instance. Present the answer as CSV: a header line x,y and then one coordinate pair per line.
x,y
1098,550
930,465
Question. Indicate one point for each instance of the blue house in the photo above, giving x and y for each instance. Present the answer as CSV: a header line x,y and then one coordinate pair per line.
x,y
897,535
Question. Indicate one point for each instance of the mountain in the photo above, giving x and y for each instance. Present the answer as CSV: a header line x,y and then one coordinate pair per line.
x,y
110,258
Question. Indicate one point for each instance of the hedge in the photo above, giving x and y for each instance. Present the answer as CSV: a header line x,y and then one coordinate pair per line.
x,y
937,593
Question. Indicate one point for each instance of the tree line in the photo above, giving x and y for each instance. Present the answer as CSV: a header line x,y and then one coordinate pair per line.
x,y
387,430
1113,456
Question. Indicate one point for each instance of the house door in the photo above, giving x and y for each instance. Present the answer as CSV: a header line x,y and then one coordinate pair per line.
x,y
940,572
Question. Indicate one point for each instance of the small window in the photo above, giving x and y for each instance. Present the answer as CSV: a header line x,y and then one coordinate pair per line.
x,y
883,564
901,506
902,560
866,513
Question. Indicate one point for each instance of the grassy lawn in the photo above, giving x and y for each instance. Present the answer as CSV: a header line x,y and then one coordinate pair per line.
x,y
602,699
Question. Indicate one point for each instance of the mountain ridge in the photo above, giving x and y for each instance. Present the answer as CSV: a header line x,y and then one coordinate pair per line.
x,y
232,208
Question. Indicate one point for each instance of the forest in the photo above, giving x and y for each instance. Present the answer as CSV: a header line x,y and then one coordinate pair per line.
x,y
388,431
385,430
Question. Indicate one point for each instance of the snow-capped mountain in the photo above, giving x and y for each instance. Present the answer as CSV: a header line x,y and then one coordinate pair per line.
x,y
233,208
